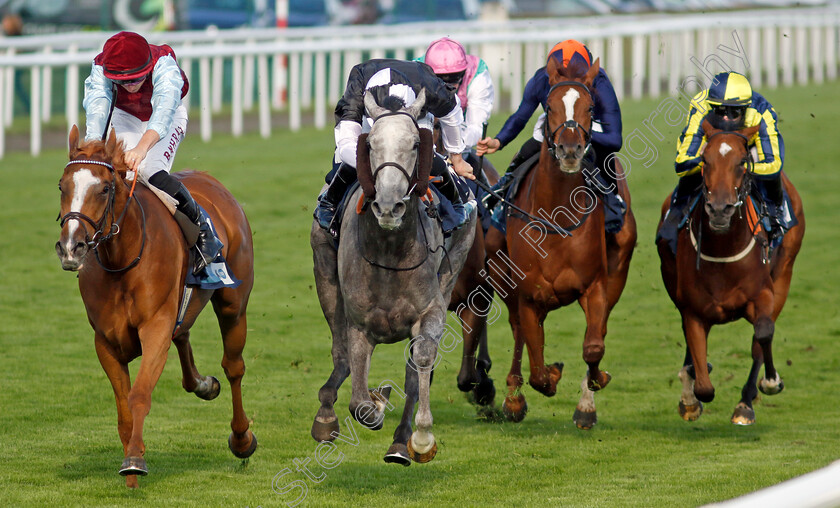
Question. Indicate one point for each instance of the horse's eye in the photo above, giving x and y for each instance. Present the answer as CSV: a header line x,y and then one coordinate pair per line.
x,y
416,145
106,189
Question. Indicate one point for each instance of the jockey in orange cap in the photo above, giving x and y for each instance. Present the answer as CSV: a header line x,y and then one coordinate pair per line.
x,y
606,127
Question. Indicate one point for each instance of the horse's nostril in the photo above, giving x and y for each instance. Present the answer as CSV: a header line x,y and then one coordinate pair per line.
x,y
59,249
79,248
399,208
376,208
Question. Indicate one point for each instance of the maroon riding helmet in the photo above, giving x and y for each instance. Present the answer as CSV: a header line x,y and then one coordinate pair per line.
x,y
126,57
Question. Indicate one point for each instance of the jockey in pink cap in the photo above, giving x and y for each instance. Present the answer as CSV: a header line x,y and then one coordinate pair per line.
x,y
469,75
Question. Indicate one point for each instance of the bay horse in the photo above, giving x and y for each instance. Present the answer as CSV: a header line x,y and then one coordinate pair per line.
x,y
719,273
390,280
565,255
132,281
471,302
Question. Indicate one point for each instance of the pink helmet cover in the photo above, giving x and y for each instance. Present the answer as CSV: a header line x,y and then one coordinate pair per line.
x,y
446,56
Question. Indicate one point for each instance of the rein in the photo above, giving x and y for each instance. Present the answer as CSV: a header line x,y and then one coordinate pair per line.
x,y
99,235
550,135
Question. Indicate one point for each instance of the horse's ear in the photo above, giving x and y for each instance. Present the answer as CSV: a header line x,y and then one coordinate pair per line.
x,y
749,132
554,71
73,141
363,170
425,156
589,78
708,130
111,144
417,106
373,109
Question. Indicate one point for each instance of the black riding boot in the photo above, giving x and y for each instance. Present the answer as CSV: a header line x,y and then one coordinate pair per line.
x,y
528,150
773,186
208,246
686,188
329,200
450,191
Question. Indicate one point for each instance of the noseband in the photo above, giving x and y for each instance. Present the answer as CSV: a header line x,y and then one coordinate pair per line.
x,y
409,176
99,235
551,135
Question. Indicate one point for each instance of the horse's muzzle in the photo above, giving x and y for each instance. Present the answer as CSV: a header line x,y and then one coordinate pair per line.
x,y
720,216
71,254
389,214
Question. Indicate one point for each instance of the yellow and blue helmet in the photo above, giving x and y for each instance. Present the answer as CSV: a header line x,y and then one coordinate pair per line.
x,y
730,89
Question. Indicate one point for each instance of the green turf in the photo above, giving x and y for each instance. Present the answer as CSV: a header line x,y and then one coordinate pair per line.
x,y
58,438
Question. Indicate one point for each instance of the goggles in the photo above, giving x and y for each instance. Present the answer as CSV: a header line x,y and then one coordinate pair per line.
x,y
453,78
129,82
729,111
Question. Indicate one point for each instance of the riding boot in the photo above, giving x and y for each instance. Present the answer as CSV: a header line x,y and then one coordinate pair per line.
x,y
328,201
686,188
528,150
773,187
208,245
449,189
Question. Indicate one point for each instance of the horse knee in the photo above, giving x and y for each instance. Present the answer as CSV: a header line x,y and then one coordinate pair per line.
x,y
593,353
764,329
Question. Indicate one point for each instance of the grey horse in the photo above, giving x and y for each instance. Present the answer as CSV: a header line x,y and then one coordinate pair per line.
x,y
390,280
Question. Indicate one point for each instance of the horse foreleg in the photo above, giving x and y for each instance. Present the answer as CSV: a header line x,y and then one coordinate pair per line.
x,y
234,326
362,406
696,332
764,328
422,446
744,413
326,427
543,378
473,374
515,407
155,341
690,407
398,452
120,379
595,308
205,387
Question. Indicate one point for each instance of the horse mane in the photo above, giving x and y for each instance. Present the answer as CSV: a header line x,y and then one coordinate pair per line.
x,y
97,149
393,103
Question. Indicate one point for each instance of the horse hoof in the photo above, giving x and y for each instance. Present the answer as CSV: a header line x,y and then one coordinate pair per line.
x,y
515,408
691,412
209,388
484,393
771,386
743,415
325,430
380,397
603,380
134,466
421,458
555,372
248,452
585,420
398,454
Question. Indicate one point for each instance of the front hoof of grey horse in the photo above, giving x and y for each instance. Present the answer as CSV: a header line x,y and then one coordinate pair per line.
x,y
422,454
247,450
325,429
134,466
369,415
208,388
743,415
771,386
691,412
398,454
585,420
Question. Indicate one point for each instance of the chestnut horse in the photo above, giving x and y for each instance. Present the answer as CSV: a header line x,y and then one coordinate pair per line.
x,y
132,284
566,256
720,275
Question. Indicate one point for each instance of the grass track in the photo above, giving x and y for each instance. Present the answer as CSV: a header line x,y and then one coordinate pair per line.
x,y
58,439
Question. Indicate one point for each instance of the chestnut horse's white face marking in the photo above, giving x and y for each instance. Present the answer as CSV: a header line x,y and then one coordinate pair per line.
x,y
569,100
724,149
83,180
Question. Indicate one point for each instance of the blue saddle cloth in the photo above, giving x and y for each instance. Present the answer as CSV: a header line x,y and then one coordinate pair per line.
x,y
215,275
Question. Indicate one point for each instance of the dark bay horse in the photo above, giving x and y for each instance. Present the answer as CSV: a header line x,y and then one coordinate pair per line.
x,y
719,274
132,285
389,281
471,302
537,267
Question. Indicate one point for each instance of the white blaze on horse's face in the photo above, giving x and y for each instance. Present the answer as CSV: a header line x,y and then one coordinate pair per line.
x,y
71,247
569,100
725,149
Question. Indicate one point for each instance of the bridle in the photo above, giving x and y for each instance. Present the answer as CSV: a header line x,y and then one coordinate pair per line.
x,y
99,235
742,191
411,177
551,135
